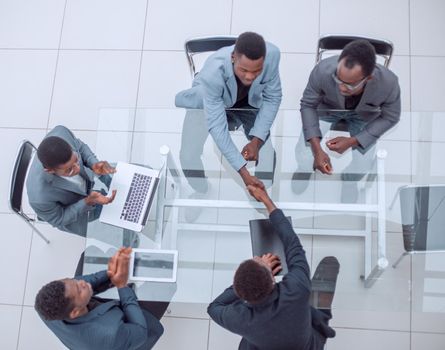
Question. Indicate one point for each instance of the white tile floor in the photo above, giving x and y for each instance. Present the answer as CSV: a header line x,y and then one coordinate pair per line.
x,y
115,66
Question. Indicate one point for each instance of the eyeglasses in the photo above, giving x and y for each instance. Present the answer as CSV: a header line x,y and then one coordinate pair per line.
x,y
69,171
350,87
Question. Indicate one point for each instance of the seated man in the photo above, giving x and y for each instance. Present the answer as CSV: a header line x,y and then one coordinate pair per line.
x,y
81,321
278,316
61,179
368,97
244,77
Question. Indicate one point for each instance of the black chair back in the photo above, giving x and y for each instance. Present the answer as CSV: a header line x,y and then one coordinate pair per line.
x,y
23,159
382,47
205,44
423,217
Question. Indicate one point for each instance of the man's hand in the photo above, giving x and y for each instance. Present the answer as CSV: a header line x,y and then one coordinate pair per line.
x,y
341,144
250,179
261,195
103,168
322,162
118,267
98,198
251,150
273,261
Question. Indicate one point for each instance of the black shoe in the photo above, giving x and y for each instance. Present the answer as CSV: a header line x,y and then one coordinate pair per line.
x,y
300,182
324,282
349,192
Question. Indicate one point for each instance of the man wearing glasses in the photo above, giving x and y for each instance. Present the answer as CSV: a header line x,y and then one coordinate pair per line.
x,y
366,97
61,179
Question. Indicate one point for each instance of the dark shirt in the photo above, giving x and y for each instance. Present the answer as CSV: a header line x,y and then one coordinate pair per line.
x,y
351,102
242,96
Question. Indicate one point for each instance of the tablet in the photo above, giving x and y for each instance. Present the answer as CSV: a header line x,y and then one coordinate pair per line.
x,y
153,265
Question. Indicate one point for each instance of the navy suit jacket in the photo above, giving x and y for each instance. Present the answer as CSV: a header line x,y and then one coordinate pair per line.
x,y
285,320
113,325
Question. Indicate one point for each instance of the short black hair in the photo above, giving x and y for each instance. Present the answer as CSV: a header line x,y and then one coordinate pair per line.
x,y
360,52
251,45
51,302
252,282
54,151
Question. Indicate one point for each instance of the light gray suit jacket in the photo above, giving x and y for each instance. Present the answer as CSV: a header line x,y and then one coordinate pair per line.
x,y
215,89
56,200
379,105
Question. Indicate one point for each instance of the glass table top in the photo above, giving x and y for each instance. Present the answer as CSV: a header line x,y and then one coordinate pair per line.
x,y
206,209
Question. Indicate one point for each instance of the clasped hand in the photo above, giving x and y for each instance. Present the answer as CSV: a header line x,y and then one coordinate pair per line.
x,y
118,267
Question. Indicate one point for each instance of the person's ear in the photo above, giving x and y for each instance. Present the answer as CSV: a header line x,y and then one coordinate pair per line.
x,y
75,312
49,171
233,57
369,78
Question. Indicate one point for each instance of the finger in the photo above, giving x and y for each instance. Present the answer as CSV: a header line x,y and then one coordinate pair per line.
x,y
112,264
113,195
276,270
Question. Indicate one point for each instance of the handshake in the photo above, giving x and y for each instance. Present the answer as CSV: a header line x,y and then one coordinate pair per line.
x,y
118,267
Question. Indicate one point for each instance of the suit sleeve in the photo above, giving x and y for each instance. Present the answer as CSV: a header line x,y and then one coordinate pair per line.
x,y
312,96
134,332
390,116
221,311
271,102
217,123
57,215
298,267
96,280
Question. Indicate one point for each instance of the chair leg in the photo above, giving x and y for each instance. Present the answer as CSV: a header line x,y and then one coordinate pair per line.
x,y
399,259
38,232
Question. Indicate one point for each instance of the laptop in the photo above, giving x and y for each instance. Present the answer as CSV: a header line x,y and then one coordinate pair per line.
x,y
266,240
135,189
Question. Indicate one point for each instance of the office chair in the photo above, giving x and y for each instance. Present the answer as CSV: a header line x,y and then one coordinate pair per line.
x,y
383,48
423,219
204,45
18,176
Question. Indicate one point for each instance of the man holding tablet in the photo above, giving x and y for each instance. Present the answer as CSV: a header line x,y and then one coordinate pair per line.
x,y
292,314
82,321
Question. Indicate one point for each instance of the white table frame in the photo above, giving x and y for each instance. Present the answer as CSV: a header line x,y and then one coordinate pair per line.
x,y
371,273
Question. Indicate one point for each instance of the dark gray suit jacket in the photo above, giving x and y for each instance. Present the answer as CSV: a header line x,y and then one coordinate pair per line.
x,y
379,105
113,325
56,200
285,320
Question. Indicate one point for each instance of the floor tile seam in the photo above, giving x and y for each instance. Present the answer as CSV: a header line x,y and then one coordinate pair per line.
x,y
56,68
138,83
25,287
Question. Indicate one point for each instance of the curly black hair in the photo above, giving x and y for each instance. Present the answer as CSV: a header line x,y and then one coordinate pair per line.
x,y
359,52
51,302
54,151
251,45
253,282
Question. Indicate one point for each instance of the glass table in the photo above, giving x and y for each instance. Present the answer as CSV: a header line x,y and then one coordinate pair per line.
x,y
203,210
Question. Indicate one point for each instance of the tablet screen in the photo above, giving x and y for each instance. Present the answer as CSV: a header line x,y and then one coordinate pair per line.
x,y
153,265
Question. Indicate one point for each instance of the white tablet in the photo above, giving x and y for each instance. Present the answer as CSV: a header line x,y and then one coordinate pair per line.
x,y
153,265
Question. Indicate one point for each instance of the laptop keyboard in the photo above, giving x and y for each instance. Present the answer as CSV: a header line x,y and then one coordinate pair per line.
x,y
136,198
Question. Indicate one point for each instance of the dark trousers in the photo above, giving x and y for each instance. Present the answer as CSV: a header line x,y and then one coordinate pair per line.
x,y
194,136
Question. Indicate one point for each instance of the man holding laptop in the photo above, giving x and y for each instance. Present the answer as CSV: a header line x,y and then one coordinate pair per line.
x,y
82,321
61,179
292,314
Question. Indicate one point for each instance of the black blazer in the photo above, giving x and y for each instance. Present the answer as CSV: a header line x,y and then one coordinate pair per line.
x,y
285,320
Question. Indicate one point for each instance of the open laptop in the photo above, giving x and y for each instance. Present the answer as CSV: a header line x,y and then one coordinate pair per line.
x,y
135,189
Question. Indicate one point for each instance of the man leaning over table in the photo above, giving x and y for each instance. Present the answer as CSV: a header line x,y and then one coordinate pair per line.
x,y
243,77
